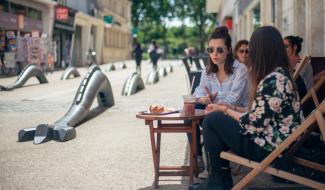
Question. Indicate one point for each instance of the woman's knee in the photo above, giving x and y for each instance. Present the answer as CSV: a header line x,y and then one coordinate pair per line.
x,y
212,119
218,121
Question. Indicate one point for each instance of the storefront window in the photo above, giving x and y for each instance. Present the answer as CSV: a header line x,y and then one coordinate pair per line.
x,y
18,9
273,11
4,6
35,14
257,16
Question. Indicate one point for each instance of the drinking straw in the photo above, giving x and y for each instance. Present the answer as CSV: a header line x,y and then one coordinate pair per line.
x,y
192,83
187,82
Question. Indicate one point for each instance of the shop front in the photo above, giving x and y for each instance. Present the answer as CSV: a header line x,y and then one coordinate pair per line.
x,y
14,31
63,35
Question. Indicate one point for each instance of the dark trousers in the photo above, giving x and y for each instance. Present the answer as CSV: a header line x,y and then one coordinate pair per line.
x,y
222,133
138,65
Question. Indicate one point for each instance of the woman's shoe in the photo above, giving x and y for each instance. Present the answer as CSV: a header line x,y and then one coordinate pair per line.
x,y
204,174
213,182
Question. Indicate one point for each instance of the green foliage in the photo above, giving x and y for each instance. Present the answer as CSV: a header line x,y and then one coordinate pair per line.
x,y
150,16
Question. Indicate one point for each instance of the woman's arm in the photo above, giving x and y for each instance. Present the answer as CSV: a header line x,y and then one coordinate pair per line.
x,y
227,110
200,92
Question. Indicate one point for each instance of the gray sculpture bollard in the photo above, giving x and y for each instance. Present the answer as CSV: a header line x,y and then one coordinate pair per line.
x,y
29,71
153,77
132,85
68,72
169,69
162,72
26,134
111,67
95,84
123,65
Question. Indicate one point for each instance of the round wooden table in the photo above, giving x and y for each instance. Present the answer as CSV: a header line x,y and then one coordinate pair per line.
x,y
170,127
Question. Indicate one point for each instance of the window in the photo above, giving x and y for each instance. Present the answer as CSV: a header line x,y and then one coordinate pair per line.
x,y
273,10
34,14
18,9
256,16
4,6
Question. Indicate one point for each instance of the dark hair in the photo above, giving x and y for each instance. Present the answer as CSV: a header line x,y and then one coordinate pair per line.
x,y
266,53
238,44
222,33
295,41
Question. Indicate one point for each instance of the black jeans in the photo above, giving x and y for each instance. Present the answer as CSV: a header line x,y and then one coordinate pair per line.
x,y
222,133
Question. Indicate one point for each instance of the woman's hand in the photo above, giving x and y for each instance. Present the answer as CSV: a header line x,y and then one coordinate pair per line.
x,y
208,98
215,108
204,100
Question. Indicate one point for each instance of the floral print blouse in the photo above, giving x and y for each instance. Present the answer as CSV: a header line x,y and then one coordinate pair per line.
x,y
275,112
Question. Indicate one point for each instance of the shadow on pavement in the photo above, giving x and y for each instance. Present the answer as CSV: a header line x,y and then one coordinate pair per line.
x,y
169,187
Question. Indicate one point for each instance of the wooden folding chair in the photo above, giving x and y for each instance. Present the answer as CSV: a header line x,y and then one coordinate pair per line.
x,y
312,92
309,102
264,166
304,61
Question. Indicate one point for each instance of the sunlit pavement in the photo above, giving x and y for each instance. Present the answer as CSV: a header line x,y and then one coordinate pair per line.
x,y
111,151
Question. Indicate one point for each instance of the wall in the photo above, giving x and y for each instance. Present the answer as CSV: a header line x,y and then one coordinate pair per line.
x,y
47,13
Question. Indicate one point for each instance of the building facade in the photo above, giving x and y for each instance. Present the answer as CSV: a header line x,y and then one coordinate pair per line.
x,y
117,33
102,30
26,28
304,18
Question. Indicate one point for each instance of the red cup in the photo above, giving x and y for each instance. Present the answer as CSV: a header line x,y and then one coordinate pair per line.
x,y
189,104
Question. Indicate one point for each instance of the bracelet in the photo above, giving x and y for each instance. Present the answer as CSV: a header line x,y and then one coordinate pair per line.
x,y
225,110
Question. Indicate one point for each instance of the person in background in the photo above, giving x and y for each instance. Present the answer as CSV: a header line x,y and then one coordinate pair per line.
x,y
274,112
154,54
137,52
241,51
293,47
224,80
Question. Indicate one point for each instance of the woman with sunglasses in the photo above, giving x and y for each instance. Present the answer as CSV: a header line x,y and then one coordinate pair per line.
x,y
274,112
293,46
223,81
241,51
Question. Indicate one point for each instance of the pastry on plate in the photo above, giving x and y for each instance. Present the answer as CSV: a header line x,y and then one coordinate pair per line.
x,y
156,109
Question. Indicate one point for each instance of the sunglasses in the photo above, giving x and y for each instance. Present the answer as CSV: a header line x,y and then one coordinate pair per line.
x,y
243,51
286,46
219,50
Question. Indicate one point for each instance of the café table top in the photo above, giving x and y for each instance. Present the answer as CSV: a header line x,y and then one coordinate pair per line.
x,y
199,114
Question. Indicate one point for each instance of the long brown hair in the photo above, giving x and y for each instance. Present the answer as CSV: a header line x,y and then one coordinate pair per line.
x,y
266,53
237,46
222,33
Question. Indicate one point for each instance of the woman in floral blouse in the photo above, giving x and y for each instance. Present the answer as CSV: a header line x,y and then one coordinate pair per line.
x,y
273,114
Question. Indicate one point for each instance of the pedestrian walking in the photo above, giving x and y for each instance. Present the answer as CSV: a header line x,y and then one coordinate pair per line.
x,y
154,54
137,53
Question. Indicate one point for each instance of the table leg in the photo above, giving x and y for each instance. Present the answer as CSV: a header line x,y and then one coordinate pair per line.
x,y
154,153
158,150
195,165
193,152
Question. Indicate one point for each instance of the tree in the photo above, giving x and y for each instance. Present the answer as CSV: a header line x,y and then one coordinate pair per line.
x,y
150,17
195,10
